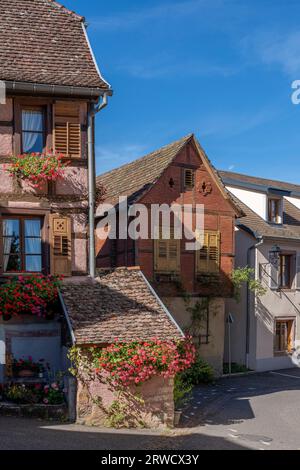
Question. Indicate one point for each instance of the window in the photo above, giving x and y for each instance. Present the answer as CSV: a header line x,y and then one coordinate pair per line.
x,y
208,258
67,129
167,253
22,245
284,331
275,211
33,130
285,271
189,179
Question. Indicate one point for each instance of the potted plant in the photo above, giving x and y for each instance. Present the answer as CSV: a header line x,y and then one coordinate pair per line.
x,y
31,295
37,168
27,368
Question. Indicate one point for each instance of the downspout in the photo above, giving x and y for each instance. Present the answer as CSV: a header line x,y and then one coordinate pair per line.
x,y
259,242
94,109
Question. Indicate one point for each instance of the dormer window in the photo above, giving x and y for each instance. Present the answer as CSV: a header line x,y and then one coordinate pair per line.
x,y
275,210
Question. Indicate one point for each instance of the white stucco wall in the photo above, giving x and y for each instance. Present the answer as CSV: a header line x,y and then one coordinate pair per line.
x,y
255,200
294,200
263,312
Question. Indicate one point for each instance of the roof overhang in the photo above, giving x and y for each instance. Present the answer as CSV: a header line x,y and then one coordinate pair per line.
x,y
14,87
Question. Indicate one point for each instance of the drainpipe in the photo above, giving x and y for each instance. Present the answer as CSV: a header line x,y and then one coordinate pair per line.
x,y
94,109
253,247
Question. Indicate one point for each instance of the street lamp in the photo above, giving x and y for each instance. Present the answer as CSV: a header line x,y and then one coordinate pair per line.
x,y
274,255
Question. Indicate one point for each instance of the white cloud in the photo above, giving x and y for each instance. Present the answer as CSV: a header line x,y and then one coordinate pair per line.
x,y
166,66
234,123
273,48
168,11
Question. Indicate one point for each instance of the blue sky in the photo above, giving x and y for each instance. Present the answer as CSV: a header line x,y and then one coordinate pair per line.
x,y
219,68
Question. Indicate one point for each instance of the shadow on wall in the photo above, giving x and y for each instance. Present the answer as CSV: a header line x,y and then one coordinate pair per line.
x,y
265,316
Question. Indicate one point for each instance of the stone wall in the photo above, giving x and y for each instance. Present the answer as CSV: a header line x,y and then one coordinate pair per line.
x,y
150,405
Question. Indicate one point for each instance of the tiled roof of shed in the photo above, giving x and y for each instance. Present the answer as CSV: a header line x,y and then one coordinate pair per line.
x,y
43,42
118,304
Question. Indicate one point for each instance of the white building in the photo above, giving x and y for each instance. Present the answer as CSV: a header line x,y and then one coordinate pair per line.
x,y
266,329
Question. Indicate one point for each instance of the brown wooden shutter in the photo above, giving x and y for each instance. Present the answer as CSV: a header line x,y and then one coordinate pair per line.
x,y
61,245
189,179
67,129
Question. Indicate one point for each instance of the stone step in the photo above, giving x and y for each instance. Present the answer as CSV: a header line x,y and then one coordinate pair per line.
x,y
46,412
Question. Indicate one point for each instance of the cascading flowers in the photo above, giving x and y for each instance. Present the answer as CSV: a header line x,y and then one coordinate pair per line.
x,y
136,362
28,294
37,168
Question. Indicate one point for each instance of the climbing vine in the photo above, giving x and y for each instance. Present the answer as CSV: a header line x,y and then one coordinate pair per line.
x,y
243,276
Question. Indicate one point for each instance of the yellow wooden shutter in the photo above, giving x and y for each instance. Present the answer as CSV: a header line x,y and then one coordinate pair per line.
x,y
202,255
214,252
208,258
167,253
67,129
61,245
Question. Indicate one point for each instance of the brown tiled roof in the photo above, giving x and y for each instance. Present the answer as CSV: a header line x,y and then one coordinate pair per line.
x,y
135,178
118,304
290,229
43,42
254,180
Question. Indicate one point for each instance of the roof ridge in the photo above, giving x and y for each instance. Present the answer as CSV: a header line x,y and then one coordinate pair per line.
x,y
75,15
183,140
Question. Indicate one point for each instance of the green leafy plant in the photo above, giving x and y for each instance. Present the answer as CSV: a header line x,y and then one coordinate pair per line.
x,y
242,276
24,394
199,372
182,391
235,368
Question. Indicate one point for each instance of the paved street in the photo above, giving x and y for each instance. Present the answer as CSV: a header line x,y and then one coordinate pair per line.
x,y
253,412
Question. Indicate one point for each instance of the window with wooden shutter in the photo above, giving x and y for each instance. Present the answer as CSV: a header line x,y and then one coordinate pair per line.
x,y
167,253
208,258
61,245
189,179
67,129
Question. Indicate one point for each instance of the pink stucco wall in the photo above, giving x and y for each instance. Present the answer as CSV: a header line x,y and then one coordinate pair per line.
x,y
6,132
154,407
6,182
74,182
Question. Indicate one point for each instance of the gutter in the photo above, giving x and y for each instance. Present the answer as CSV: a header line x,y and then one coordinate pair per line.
x,y
94,109
55,90
258,243
67,317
